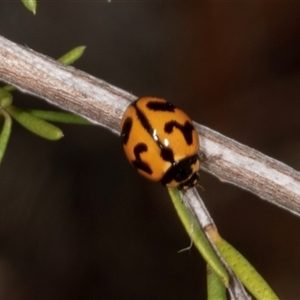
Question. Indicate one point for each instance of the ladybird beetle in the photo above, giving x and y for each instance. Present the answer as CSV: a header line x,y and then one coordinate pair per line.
x,y
161,142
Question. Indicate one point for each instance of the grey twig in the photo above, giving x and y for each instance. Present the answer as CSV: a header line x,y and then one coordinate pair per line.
x,y
104,104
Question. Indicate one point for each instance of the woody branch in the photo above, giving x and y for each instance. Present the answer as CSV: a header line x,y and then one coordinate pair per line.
x,y
104,104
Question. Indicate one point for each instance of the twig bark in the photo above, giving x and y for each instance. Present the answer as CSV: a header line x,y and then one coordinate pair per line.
x,y
194,202
104,104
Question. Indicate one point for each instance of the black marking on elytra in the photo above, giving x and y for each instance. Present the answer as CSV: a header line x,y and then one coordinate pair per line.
x,y
180,172
144,121
186,129
126,129
166,153
161,106
138,163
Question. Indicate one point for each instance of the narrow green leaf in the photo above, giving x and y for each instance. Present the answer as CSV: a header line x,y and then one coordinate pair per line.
x,y
9,88
250,278
198,236
30,5
58,116
5,98
72,55
34,124
5,133
215,287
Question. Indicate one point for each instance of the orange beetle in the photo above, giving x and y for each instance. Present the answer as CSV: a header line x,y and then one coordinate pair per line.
x,y
161,142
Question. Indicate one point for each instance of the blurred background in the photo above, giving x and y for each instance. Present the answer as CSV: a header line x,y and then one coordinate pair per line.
x,y
77,221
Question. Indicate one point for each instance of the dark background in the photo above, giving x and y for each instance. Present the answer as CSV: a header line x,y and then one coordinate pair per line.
x,y
77,221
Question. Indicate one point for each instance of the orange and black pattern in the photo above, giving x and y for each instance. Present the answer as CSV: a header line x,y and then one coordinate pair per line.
x,y
161,142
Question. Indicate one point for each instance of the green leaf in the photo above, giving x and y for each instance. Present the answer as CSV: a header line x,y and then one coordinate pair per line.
x,y
9,88
215,287
34,124
250,278
58,116
30,5
5,133
73,55
5,98
198,236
